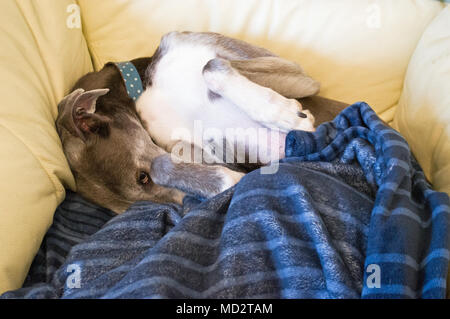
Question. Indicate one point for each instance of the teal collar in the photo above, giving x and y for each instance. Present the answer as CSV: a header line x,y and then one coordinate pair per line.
x,y
131,79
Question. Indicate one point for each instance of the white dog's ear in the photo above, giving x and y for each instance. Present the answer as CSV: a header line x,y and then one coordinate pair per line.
x,y
283,76
77,113
303,86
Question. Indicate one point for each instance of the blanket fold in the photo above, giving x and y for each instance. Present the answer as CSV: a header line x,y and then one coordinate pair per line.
x,y
348,214
408,239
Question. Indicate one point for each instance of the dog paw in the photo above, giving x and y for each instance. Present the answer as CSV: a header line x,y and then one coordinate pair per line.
x,y
304,122
290,116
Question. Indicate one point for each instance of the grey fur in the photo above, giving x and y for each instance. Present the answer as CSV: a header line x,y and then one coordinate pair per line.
x,y
107,144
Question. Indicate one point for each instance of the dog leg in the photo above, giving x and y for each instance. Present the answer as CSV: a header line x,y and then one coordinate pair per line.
x,y
262,104
290,80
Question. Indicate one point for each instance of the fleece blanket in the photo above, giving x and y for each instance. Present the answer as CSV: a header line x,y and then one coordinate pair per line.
x,y
349,214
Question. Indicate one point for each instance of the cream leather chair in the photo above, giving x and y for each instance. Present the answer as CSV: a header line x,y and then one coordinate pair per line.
x,y
395,55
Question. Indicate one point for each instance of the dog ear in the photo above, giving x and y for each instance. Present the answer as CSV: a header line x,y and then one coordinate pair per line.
x,y
84,116
77,114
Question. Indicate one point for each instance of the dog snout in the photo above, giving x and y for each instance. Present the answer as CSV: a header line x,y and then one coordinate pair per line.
x,y
160,169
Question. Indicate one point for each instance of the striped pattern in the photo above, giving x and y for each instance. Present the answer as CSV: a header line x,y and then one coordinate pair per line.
x,y
409,229
74,221
349,195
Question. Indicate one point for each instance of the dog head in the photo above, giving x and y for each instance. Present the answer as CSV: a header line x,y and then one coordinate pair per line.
x,y
106,145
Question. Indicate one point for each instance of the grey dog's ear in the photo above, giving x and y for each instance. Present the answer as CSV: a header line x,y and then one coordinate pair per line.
x,y
77,114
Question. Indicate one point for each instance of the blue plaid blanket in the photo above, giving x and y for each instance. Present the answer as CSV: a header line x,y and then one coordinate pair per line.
x,y
349,214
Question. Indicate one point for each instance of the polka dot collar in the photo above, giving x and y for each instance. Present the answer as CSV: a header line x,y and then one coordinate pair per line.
x,y
131,78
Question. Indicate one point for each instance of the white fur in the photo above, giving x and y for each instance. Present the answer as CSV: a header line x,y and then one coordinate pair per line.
x,y
178,97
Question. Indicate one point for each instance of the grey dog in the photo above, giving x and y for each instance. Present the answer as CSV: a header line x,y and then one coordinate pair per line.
x,y
122,149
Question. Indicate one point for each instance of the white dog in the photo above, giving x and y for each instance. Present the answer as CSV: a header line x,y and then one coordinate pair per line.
x,y
229,102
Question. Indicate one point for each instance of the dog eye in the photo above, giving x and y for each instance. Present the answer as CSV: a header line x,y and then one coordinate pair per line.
x,y
144,178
